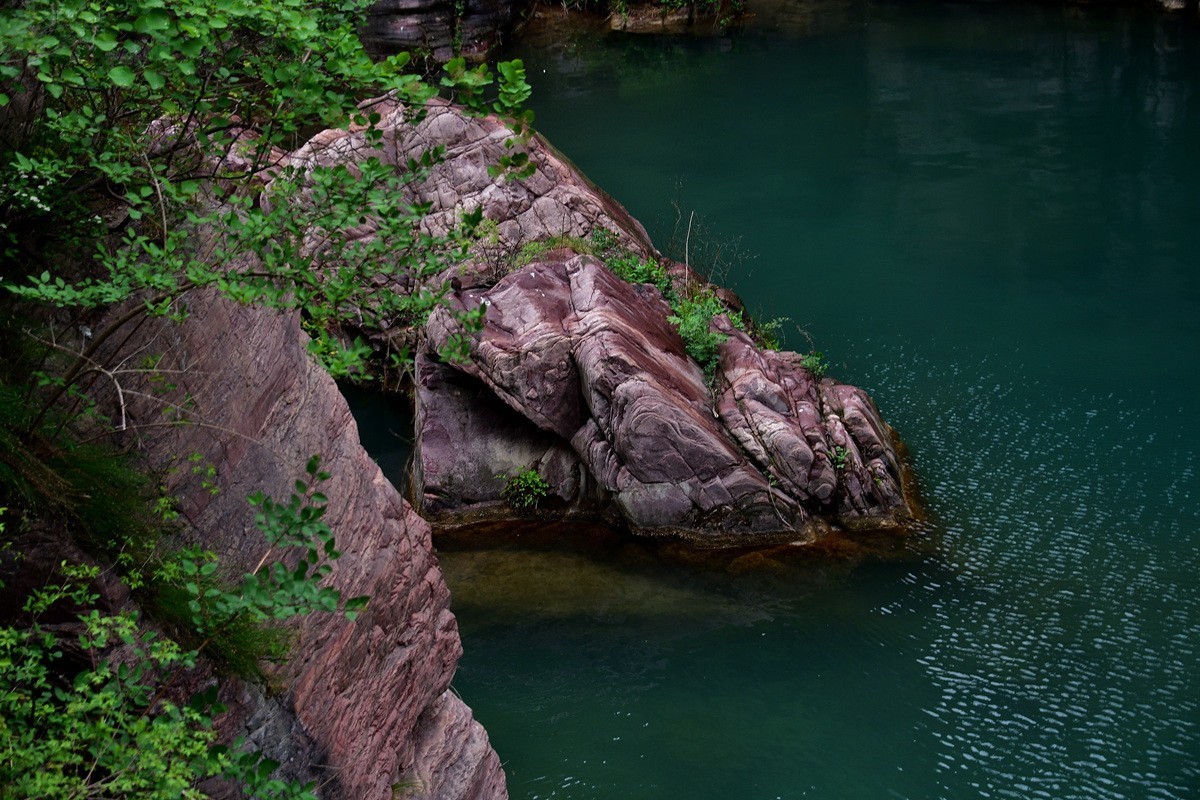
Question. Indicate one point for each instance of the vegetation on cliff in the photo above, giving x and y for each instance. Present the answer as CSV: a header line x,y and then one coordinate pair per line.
x,y
137,142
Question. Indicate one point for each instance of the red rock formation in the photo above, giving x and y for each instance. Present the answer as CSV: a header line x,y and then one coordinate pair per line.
x,y
371,696
581,375
622,423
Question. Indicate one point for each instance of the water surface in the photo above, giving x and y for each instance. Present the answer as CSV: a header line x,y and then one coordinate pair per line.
x,y
988,217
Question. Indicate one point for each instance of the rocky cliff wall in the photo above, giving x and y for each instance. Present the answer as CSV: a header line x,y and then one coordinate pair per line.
x,y
365,705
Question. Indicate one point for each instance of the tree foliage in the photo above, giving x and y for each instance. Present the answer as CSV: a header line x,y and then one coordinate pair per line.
x,y
140,135
142,159
97,714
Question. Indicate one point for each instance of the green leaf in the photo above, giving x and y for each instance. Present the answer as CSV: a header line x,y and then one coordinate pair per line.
x,y
121,76
151,21
105,42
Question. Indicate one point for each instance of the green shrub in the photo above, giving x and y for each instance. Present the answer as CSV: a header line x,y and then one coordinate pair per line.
x,y
604,243
693,318
838,455
531,251
634,269
769,334
240,646
525,489
815,363
76,722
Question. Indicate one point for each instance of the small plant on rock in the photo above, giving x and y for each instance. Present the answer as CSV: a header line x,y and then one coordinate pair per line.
x,y
815,363
525,489
693,317
770,333
532,251
839,455
604,243
634,269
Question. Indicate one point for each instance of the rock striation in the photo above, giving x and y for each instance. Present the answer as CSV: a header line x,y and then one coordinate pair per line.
x,y
366,705
581,376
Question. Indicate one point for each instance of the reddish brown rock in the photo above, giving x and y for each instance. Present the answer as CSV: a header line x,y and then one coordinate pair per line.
x,y
593,382
556,200
370,698
581,376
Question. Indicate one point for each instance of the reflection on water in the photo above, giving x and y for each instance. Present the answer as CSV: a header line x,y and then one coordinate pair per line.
x,y
562,585
986,215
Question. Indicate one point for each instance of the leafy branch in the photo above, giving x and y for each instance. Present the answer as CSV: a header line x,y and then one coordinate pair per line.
x,y
113,726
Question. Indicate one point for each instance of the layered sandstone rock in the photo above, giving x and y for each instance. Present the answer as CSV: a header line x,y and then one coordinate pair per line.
x,y
366,704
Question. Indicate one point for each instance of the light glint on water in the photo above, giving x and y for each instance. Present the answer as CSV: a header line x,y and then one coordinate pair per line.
x,y
986,216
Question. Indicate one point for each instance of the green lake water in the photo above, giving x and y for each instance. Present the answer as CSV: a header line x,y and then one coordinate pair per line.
x,y
989,217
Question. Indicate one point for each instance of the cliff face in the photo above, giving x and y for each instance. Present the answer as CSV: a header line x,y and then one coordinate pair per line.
x,y
366,704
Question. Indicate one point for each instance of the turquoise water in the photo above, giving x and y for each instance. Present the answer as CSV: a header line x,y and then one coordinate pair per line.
x,y
990,218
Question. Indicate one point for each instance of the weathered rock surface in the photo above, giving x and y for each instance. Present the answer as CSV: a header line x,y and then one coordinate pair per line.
x,y
440,28
366,704
556,200
581,376
622,423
